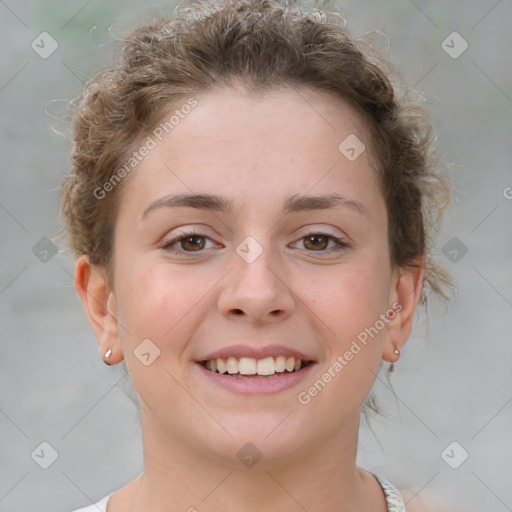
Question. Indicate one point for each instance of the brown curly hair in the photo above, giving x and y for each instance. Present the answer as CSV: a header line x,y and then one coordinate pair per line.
x,y
262,45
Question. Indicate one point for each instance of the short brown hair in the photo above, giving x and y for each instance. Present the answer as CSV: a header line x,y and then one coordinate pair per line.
x,y
263,45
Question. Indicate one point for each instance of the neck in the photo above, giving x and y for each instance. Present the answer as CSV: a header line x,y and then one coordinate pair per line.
x,y
317,477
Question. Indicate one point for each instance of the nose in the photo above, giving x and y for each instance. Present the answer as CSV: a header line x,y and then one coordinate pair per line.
x,y
257,290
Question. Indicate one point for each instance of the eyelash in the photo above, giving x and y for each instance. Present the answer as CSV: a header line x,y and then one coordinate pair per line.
x,y
167,245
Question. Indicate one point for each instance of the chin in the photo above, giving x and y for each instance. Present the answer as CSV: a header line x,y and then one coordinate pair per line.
x,y
264,437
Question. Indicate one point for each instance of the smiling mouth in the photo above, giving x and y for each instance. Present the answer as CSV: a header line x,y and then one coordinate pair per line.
x,y
248,367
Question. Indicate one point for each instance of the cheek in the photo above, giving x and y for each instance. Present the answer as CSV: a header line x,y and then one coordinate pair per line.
x,y
349,304
162,306
351,298
351,310
160,303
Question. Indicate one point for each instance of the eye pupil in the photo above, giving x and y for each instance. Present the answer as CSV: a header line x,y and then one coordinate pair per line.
x,y
193,238
311,238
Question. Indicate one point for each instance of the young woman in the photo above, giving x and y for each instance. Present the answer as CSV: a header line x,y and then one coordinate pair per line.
x,y
251,205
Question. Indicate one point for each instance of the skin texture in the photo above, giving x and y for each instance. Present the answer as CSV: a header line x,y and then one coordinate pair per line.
x,y
256,151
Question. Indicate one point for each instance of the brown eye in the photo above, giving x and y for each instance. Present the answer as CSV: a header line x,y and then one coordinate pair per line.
x,y
319,243
186,243
316,242
192,243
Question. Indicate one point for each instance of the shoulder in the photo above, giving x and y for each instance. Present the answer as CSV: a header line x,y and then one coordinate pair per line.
x,y
415,503
100,506
404,500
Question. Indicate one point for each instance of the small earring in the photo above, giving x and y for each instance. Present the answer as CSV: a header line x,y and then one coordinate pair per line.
x,y
397,352
108,353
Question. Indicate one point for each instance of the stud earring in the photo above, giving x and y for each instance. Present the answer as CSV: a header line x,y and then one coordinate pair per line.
x,y
397,352
108,353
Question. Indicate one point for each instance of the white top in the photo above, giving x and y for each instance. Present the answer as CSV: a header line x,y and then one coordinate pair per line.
x,y
393,498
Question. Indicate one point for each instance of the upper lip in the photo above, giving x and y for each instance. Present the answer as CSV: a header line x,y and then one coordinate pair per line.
x,y
239,351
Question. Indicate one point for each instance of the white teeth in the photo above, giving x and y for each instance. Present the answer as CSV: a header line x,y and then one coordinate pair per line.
x,y
266,366
247,366
251,366
280,364
290,364
232,365
221,366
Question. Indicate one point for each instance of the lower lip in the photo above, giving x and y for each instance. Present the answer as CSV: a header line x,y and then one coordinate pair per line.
x,y
257,386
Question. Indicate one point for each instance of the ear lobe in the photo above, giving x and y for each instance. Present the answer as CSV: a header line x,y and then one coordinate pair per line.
x,y
406,292
99,303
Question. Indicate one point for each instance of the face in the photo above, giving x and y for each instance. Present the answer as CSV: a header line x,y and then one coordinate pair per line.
x,y
259,272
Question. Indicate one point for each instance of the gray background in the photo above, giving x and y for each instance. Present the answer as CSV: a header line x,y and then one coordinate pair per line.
x,y
453,381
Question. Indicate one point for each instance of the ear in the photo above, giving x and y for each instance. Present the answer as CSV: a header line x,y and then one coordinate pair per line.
x,y
99,303
404,298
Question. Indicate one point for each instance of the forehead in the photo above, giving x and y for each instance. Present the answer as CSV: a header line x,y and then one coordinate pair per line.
x,y
295,117
256,145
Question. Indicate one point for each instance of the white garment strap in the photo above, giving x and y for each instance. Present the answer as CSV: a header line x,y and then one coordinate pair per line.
x,y
100,506
393,496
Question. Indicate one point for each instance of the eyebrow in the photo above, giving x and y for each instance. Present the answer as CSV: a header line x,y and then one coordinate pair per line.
x,y
294,203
